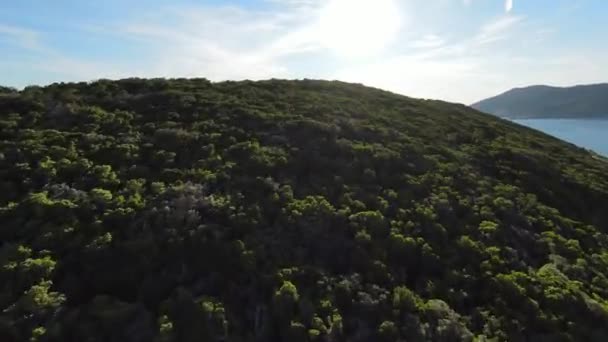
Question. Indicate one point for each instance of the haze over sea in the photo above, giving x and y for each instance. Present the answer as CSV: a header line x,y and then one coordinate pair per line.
x,y
586,133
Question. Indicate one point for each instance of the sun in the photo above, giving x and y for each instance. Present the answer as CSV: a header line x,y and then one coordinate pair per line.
x,y
359,28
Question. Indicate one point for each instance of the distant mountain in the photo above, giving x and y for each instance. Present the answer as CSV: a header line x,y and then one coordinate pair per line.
x,y
584,101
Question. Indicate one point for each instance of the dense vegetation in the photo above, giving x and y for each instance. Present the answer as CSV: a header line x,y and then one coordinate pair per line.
x,y
184,210
542,102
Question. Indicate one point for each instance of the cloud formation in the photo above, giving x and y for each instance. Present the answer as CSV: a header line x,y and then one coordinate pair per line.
x,y
508,5
499,29
224,42
428,41
22,37
436,55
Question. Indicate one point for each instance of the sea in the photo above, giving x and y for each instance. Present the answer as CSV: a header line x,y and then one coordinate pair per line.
x,y
591,134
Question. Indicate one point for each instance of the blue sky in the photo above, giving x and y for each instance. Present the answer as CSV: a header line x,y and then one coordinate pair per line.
x,y
457,50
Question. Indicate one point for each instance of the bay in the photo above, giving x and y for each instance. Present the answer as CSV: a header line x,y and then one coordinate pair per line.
x,y
589,134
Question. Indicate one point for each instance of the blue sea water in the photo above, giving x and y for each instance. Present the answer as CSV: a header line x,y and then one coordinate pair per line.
x,y
589,134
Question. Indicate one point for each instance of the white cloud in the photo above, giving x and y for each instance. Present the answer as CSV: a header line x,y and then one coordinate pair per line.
x,y
227,42
417,76
508,5
428,41
23,37
464,70
216,42
434,56
497,30
41,57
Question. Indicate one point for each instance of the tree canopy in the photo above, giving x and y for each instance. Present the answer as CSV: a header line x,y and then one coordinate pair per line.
x,y
185,210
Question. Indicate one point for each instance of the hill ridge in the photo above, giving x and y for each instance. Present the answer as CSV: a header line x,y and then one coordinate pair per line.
x,y
186,210
544,101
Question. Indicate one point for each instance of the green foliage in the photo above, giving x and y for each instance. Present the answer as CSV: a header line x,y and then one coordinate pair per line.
x,y
40,298
488,227
405,300
388,331
288,292
37,334
101,195
185,210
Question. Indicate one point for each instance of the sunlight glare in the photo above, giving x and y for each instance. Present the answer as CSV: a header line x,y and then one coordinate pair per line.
x,y
358,28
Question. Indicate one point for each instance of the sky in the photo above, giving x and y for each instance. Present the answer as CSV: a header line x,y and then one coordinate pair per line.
x,y
455,50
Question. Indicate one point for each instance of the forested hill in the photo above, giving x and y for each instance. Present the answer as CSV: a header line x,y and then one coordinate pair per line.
x,y
184,210
541,102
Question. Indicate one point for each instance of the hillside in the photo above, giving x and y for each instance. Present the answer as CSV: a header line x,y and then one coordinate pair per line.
x,y
184,210
579,102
